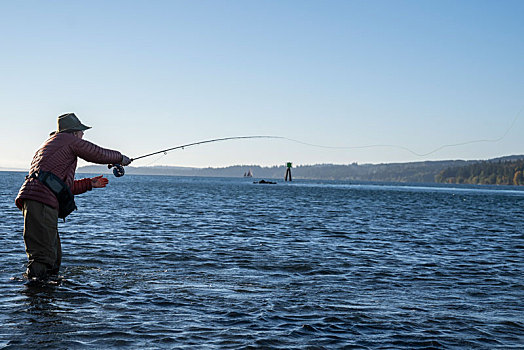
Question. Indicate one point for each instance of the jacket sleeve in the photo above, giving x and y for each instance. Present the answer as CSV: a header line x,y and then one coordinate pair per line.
x,y
95,154
81,186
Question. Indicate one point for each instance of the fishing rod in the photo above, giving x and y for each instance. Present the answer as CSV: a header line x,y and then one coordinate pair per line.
x,y
118,169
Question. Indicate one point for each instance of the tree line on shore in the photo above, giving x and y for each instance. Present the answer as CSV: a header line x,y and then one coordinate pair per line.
x,y
485,173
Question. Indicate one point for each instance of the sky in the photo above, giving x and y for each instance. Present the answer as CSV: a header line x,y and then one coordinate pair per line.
x,y
385,81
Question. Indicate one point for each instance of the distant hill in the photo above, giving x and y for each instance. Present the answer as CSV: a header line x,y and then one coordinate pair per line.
x,y
424,172
12,169
499,171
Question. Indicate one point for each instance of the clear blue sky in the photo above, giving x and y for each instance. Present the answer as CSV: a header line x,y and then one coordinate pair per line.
x,y
149,75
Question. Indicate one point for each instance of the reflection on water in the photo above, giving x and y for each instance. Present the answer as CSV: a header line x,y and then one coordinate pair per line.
x,y
163,262
43,316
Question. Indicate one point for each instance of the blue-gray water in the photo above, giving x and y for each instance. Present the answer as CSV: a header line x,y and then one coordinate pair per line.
x,y
173,262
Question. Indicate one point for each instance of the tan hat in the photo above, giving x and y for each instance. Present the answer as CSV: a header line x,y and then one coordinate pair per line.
x,y
69,122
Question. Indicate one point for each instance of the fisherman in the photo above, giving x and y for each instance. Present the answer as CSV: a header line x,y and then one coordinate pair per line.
x,y
49,189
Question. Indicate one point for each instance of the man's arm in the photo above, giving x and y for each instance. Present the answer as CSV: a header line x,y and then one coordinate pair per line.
x,y
95,154
87,184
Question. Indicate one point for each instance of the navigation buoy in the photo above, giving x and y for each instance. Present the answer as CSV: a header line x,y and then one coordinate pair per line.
x,y
288,171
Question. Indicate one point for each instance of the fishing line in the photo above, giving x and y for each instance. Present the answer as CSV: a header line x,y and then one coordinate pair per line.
x,y
498,139
495,140
119,170
156,159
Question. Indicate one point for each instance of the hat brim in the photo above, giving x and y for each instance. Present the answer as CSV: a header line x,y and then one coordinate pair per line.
x,y
81,127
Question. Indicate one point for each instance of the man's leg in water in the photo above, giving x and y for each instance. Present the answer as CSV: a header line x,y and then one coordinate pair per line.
x,y
58,261
42,243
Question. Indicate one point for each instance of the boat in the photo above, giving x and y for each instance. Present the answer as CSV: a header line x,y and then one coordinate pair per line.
x,y
264,182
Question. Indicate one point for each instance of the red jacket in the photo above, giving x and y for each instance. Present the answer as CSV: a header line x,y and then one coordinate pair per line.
x,y
59,156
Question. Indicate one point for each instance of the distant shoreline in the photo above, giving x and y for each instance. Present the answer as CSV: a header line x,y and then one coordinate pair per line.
x,y
414,172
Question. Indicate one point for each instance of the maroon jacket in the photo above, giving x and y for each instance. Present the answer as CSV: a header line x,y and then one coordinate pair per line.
x,y
59,156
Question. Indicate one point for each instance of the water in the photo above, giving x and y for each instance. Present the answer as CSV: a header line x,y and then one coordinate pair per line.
x,y
173,262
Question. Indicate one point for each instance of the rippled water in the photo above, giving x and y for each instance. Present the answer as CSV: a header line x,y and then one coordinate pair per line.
x,y
173,262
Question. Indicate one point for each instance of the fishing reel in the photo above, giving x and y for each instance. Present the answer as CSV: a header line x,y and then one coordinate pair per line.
x,y
118,170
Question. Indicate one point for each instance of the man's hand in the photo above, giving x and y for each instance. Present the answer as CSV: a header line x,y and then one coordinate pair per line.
x,y
125,160
99,181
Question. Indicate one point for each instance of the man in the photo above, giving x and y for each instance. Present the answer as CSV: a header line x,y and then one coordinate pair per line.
x,y
52,171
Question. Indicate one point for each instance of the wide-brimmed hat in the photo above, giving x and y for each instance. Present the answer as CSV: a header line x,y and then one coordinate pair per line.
x,y
69,122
